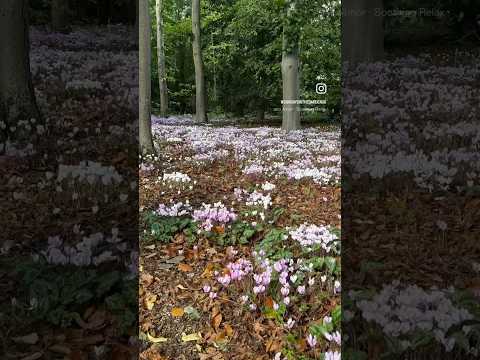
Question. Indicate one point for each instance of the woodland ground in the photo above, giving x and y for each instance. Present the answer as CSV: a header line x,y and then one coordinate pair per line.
x,y
64,202
410,186
181,294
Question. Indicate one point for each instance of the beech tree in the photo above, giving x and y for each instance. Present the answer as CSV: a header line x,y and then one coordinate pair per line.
x,y
290,68
145,53
200,87
17,97
162,76
362,30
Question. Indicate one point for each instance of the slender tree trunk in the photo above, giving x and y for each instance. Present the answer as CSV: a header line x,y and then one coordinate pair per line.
x,y
362,30
162,76
290,77
17,98
59,15
200,87
145,58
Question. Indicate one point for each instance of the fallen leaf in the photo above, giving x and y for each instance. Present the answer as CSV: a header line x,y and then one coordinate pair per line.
x,y
175,260
184,267
149,301
60,349
156,340
192,312
33,356
208,270
146,279
228,330
191,337
30,339
219,229
216,317
269,302
177,312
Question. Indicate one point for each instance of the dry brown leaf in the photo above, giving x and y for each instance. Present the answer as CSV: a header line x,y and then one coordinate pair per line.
x,y
258,327
269,302
208,270
228,330
216,317
273,345
177,312
149,301
192,337
184,267
29,339
219,229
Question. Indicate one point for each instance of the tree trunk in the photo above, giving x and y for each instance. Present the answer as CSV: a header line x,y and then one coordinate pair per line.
x,y
59,14
145,55
200,87
162,76
362,30
290,77
17,98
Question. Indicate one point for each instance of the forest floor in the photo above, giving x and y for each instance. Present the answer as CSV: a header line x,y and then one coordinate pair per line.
x,y
410,167
240,245
65,244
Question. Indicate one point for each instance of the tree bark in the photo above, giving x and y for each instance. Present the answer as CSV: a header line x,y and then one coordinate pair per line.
x,y
200,87
362,30
59,15
145,55
17,97
290,77
162,76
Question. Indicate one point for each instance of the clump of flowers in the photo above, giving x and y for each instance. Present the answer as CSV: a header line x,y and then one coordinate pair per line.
x,y
216,214
310,235
174,210
258,199
235,271
402,310
89,171
268,186
86,252
176,177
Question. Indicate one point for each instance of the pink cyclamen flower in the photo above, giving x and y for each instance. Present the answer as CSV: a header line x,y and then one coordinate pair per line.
x,y
311,281
253,307
332,355
286,300
212,295
244,299
290,323
301,290
206,289
275,306
312,340
337,337
258,289
285,291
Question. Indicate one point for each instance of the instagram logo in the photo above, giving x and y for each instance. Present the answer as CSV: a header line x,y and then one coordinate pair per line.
x,y
321,88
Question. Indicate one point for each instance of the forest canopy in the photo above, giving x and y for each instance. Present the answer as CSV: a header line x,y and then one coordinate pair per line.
x,y
242,54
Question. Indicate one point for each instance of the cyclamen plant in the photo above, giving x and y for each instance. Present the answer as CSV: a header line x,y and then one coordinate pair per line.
x,y
216,214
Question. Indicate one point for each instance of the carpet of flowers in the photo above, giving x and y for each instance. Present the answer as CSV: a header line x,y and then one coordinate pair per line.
x,y
240,242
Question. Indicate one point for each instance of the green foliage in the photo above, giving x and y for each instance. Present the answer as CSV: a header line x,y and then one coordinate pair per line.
x,y
273,244
242,52
239,233
59,294
163,228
